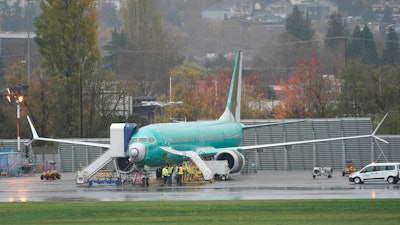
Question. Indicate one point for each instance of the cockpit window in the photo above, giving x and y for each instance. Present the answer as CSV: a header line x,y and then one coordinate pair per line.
x,y
142,139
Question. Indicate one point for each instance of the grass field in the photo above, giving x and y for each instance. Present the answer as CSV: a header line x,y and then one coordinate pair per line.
x,y
371,211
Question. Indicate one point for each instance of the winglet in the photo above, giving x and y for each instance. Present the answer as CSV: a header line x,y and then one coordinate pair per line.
x,y
37,138
34,133
377,128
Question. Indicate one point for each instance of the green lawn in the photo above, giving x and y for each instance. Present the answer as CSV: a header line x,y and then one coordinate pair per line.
x,y
371,211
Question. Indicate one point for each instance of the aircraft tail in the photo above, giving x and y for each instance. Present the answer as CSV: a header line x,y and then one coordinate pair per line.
x,y
232,110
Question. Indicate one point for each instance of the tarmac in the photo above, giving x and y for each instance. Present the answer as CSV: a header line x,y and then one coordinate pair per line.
x,y
263,185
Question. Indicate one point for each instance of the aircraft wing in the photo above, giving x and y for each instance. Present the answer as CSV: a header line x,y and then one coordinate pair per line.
x,y
37,138
211,152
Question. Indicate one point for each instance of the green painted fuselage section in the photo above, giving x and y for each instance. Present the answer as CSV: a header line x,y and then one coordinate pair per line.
x,y
185,136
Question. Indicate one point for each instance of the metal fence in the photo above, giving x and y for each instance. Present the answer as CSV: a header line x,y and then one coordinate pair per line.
x,y
69,157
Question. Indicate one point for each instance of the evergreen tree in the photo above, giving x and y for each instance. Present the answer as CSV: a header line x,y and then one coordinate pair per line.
x,y
391,53
355,46
337,31
298,27
335,44
362,46
297,40
115,48
67,39
369,52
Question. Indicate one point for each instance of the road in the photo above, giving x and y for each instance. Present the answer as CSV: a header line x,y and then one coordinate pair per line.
x,y
262,185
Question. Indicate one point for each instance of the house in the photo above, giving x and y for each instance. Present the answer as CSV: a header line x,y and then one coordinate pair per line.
x,y
315,10
228,10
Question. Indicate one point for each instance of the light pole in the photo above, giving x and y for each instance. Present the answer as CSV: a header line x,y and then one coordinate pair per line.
x,y
18,101
18,98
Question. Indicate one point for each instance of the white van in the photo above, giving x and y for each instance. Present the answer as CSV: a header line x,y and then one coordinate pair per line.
x,y
377,171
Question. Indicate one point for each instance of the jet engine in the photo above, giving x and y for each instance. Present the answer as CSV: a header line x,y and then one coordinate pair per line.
x,y
235,159
123,165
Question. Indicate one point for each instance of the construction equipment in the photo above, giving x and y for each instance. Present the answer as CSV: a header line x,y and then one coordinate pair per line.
x,y
50,173
322,171
349,168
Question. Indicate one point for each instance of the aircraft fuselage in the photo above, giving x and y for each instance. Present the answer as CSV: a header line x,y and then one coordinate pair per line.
x,y
185,136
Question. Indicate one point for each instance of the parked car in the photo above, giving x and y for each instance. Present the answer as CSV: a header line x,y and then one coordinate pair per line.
x,y
377,171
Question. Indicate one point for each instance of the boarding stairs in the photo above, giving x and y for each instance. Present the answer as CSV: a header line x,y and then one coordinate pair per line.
x,y
205,170
86,173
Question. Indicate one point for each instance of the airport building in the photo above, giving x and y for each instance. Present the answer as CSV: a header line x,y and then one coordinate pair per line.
x,y
334,154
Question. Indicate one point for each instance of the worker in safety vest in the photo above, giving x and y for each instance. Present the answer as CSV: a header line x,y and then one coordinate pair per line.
x,y
187,172
179,174
165,174
199,174
170,172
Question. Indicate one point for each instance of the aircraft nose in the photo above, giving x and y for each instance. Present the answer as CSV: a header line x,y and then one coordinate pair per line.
x,y
136,152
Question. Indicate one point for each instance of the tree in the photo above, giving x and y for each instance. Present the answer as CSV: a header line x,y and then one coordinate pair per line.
x,y
391,53
116,56
308,93
16,80
335,43
368,51
151,54
355,46
371,91
298,27
67,39
204,95
40,101
108,15
103,96
362,46
185,80
297,40
336,32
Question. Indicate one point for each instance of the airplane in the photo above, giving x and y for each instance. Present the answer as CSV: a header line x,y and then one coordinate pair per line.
x,y
155,145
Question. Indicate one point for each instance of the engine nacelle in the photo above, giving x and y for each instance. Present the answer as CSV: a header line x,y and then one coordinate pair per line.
x,y
124,165
235,159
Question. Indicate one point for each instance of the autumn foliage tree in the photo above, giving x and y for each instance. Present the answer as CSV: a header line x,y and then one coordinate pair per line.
x,y
308,93
204,95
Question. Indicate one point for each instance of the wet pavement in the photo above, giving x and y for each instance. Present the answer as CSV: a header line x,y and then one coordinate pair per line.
x,y
261,185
